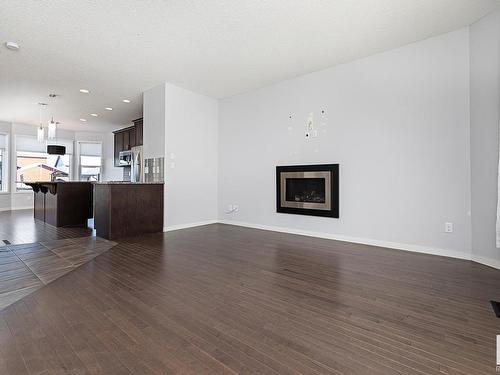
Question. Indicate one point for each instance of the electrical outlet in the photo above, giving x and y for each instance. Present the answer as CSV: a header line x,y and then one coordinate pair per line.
x,y
232,208
448,227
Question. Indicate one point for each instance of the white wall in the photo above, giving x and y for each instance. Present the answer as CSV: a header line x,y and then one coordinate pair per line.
x,y
154,122
191,157
398,124
485,110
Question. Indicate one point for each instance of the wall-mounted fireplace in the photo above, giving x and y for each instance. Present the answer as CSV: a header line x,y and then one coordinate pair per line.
x,y
308,189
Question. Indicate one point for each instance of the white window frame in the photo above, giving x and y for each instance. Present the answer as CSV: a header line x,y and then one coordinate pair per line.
x,y
79,154
6,164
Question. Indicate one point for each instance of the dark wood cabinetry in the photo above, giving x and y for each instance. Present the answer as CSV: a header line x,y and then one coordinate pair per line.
x,y
138,131
118,147
127,209
63,204
131,136
127,138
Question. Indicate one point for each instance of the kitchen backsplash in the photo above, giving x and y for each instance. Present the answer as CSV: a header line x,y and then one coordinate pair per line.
x,y
154,170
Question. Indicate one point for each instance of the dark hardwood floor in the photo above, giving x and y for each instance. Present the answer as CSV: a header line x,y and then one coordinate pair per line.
x,y
225,299
25,268
19,227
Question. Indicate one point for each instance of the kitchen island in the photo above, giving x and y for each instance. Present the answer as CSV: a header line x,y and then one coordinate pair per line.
x,y
124,209
61,203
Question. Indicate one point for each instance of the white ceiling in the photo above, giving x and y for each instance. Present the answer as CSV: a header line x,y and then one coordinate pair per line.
x,y
119,48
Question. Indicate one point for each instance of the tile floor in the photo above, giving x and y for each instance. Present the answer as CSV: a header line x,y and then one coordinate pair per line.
x,y
25,268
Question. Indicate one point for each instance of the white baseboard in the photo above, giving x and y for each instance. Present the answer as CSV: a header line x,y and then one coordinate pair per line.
x,y
22,208
189,225
365,241
487,261
15,208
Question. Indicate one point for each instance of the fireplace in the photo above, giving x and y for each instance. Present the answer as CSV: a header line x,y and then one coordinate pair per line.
x,y
308,189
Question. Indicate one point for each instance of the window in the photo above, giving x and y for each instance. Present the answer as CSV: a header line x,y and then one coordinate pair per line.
x,y
90,168
34,164
4,185
90,161
2,181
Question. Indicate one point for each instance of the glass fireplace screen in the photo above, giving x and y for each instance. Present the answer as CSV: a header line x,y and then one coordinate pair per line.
x,y
308,190
305,190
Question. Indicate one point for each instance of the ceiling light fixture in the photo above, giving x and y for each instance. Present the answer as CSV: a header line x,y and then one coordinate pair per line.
x,y
53,148
108,109
83,120
94,114
52,129
126,101
13,46
52,126
40,133
84,91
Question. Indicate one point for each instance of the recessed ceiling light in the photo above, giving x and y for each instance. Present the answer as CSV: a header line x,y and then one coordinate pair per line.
x,y
83,120
108,109
94,114
126,101
84,91
12,46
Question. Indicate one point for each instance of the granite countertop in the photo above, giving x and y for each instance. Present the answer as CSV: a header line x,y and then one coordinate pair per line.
x,y
91,182
126,183
51,182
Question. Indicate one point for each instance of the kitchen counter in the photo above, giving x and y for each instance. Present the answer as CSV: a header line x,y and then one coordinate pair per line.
x,y
126,183
62,203
124,209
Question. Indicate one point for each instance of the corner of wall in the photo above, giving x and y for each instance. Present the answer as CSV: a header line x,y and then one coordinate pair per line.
x,y
484,105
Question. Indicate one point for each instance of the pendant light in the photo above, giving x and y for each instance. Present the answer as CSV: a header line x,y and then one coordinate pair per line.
x,y
40,134
56,150
52,124
52,149
52,129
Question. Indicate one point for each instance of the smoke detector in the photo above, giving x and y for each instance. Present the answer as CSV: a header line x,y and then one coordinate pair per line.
x,y
13,46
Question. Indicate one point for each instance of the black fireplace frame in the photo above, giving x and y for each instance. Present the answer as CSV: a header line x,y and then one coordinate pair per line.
x,y
333,169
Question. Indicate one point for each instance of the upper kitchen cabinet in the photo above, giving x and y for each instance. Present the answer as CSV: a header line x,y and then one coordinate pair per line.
x,y
127,138
138,131
118,147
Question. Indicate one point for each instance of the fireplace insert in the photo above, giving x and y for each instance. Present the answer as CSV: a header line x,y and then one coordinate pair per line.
x,y
308,189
